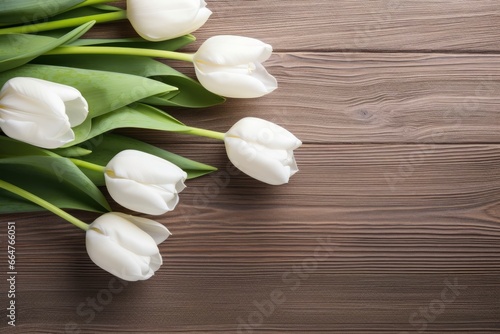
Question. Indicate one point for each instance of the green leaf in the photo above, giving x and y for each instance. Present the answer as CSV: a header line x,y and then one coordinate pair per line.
x,y
84,11
11,148
23,11
133,116
55,179
104,91
19,49
105,147
191,94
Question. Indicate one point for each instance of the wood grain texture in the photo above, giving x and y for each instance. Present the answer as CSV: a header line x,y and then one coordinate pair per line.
x,y
368,25
374,98
350,251
343,25
392,224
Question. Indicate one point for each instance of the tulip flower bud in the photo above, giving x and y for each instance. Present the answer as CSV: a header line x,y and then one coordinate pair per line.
x,y
262,150
231,66
159,20
40,112
143,182
126,246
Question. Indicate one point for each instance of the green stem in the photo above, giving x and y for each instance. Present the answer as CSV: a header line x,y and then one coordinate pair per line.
x,y
44,204
206,133
89,165
67,23
109,50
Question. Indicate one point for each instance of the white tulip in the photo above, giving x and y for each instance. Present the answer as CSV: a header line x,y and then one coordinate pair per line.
x,y
231,66
144,182
262,150
159,20
41,112
126,246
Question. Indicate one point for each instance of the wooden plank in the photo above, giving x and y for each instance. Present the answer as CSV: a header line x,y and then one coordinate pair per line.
x,y
376,25
399,189
372,98
350,252
395,177
332,303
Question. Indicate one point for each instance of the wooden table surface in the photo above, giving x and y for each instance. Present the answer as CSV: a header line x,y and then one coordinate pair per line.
x,y
392,224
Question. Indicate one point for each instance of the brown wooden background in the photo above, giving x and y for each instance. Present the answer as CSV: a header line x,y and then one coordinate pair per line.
x,y
397,104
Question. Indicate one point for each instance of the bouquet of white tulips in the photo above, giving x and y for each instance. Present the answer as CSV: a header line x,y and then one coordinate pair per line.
x,y
62,96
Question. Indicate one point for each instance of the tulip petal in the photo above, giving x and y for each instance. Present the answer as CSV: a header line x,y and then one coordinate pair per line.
x,y
143,182
156,262
126,246
115,259
35,111
149,199
157,231
157,20
31,96
229,50
248,83
75,105
125,233
231,66
77,110
261,164
262,150
145,168
29,132
262,132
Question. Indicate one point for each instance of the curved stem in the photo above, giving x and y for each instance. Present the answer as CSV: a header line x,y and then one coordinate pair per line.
x,y
89,165
44,204
67,23
109,50
206,133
